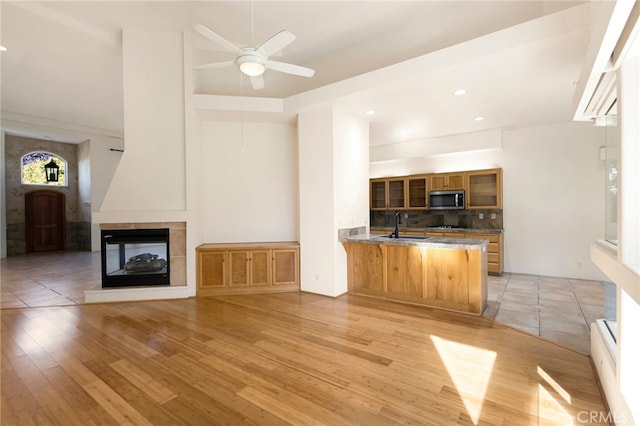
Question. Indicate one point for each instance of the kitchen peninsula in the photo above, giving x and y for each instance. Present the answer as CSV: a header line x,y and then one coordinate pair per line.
x,y
446,273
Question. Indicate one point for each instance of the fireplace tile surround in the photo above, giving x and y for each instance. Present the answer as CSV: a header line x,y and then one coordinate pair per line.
x,y
177,245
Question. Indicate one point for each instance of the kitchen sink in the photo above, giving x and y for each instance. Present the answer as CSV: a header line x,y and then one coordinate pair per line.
x,y
402,237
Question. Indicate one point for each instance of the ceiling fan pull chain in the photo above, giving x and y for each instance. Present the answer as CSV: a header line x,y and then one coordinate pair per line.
x,y
241,113
252,42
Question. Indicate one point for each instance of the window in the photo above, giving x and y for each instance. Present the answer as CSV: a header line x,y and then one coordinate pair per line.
x,y
32,168
611,177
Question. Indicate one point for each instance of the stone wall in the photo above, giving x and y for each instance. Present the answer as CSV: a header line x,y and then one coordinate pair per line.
x,y
78,226
430,218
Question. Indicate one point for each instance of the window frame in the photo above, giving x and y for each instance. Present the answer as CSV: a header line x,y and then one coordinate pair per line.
x,y
47,184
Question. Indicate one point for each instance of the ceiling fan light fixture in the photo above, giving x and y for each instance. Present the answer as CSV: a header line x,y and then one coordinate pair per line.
x,y
252,69
251,64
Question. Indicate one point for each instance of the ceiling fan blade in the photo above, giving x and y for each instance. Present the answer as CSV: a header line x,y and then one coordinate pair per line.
x,y
277,42
221,41
290,68
214,65
257,82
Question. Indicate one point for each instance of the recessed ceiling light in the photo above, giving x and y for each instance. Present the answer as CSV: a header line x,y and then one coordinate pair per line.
x,y
3,49
479,118
370,112
460,92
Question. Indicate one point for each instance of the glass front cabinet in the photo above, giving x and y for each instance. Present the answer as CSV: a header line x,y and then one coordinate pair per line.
x,y
387,193
418,192
484,189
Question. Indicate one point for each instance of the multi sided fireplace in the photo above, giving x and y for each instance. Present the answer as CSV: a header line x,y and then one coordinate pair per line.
x,y
135,257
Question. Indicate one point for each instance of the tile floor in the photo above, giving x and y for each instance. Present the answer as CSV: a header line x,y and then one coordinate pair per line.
x,y
556,309
48,279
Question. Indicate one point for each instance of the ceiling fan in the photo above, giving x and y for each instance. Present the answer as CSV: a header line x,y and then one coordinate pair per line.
x,y
254,61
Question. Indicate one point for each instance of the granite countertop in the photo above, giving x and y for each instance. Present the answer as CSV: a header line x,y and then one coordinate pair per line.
x,y
439,229
429,242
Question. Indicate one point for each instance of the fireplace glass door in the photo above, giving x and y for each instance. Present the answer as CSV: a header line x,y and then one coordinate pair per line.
x,y
135,257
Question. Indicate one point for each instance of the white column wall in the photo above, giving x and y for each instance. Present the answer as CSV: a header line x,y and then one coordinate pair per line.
x,y
350,185
333,168
151,173
318,232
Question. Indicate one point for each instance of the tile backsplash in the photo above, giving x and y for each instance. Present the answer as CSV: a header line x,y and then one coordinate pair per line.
x,y
427,218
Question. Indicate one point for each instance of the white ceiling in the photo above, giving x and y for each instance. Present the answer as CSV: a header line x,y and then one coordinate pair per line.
x,y
517,60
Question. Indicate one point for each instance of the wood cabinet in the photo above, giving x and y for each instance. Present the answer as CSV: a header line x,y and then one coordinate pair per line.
x,y
405,275
211,270
285,267
365,270
446,181
417,192
448,278
484,189
247,268
388,193
495,251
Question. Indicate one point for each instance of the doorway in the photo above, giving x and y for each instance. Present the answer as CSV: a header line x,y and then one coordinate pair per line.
x,y
45,221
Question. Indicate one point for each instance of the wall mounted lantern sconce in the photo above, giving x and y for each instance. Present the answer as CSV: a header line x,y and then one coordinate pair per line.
x,y
51,170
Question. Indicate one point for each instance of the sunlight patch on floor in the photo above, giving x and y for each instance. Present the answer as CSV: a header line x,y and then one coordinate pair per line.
x,y
470,370
550,409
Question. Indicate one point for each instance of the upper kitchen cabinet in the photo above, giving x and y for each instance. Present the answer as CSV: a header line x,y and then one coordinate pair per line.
x,y
387,193
417,191
484,189
446,181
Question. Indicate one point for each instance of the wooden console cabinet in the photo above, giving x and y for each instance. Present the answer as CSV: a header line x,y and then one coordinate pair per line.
x,y
242,268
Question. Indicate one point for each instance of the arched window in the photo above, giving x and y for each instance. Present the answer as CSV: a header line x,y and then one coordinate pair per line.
x,y
32,167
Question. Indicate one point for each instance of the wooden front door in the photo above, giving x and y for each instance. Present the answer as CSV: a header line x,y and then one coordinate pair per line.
x,y
45,220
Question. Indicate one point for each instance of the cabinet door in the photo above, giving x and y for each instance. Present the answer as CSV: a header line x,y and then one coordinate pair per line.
x,y
495,253
378,194
447,181
417,189
238,268
285,267
211,269
455,181
484,189
448,276
366,269
404,272
438,183
259,268
396,193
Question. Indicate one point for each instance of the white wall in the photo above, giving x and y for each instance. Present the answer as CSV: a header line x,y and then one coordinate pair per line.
x,y
350,185
554,185
103,163
317,230
333,169
553,193
249,184
151,173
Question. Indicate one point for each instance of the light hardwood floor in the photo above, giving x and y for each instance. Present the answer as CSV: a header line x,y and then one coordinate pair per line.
x,y
291,358
557,309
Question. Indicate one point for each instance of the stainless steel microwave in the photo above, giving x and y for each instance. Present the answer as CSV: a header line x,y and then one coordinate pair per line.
x,y
446,200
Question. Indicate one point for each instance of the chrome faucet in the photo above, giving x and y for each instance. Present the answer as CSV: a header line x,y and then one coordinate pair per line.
x,y
398,222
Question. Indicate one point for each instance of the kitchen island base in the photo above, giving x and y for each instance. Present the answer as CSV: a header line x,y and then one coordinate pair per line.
x,y
436,275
